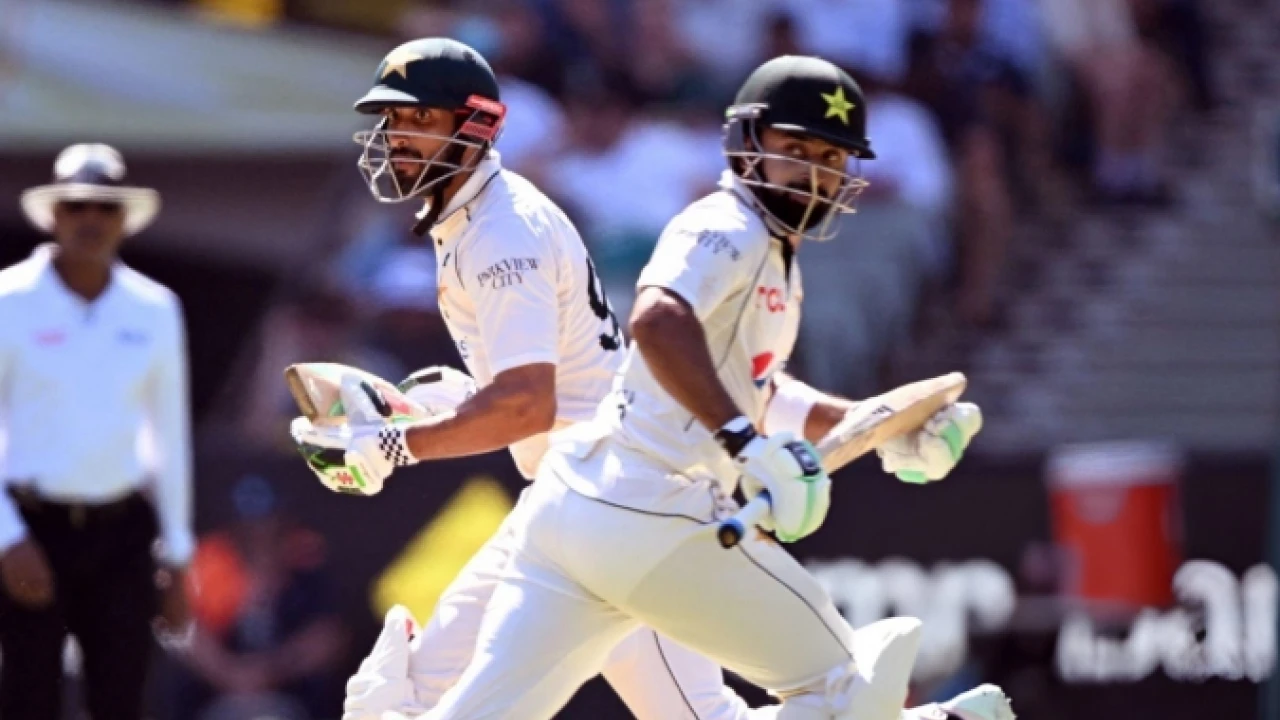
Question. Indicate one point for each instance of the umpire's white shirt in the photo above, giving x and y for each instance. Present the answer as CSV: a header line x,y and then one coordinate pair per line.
x,y
517,287
93,396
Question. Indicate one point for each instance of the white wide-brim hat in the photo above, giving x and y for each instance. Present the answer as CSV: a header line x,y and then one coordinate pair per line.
x,y
91,172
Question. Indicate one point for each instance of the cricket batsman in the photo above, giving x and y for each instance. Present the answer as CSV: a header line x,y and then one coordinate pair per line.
x,y
521,299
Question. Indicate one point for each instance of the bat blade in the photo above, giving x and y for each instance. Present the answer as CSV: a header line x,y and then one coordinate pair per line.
x,y
316,387
877,420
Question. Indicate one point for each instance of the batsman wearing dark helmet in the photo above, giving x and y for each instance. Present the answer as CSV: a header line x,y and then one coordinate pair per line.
x,y
521,299
619,529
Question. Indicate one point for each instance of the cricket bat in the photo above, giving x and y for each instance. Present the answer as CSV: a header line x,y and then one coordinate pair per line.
x,y
317,386
867,426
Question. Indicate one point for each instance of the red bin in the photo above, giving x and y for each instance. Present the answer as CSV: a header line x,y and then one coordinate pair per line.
x,y
1116,515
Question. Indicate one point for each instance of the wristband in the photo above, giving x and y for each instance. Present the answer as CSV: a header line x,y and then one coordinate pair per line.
x,y
734,435
393,443
788,409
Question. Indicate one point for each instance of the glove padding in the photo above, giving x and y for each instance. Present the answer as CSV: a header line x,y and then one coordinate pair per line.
x,y
799,489
930,453
439,389
382,683
355,457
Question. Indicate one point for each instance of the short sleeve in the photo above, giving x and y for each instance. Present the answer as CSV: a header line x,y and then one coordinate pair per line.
x,y
510,273
704,260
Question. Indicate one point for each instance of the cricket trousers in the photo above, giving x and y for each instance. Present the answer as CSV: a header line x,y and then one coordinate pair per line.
x,y
656,678
588,572
105,595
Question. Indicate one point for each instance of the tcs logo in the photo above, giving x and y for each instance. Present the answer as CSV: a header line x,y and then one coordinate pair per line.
x,y
771,299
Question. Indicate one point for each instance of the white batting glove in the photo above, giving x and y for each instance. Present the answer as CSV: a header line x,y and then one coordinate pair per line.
x,y
382,683
930,453
355,457
799,489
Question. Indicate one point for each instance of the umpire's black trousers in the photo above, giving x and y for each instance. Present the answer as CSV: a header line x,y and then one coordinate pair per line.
x,y
105,595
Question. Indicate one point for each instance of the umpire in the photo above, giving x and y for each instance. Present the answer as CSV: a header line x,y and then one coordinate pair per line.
x,y
93,401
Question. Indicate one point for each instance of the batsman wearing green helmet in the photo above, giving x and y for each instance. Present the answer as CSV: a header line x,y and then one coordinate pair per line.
x,y
618,531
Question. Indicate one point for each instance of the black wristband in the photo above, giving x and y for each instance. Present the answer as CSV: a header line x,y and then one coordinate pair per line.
x,y
734,435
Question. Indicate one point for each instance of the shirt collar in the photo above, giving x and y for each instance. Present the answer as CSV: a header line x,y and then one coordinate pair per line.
x,y
52,282
730,182
451,221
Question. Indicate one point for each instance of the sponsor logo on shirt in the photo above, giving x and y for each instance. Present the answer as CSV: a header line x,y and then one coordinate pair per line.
x,y
49,338
760,368
771,299
132,337
506,272
714,241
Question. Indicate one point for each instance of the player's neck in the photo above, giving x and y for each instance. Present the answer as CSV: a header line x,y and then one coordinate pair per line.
x,y
453,186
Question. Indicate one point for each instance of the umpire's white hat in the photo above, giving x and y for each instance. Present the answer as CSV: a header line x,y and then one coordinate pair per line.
x,y
93,172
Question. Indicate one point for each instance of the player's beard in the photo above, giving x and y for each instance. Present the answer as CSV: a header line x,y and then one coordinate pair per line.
x,y
793,212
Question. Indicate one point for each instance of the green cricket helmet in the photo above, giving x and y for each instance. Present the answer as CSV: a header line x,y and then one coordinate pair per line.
x,y
810,97
437,73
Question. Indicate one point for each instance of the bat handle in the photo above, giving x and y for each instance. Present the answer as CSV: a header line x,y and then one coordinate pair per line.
x,y
732,531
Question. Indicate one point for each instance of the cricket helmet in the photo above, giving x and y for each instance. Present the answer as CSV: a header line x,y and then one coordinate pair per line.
x,y
437,73
811,97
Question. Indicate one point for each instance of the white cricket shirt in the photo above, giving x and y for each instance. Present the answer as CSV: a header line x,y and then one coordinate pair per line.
x,y
93,396
745,287
517,287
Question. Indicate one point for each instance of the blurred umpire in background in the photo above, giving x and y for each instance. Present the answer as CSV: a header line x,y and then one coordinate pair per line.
x,y
94,407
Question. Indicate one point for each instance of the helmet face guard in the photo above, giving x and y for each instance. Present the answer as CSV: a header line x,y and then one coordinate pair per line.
x,y
807,212
481,124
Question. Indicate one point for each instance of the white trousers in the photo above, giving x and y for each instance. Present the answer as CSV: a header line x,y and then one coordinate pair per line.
x,y
587,573
656,678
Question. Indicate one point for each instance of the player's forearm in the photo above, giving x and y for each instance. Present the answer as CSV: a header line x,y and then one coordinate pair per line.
x,y
674,346
824,415
519,403
826,411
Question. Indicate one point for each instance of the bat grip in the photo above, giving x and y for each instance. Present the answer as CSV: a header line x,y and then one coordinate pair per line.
x,y
732,531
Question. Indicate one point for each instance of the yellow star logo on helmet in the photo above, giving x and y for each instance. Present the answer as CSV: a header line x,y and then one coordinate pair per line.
x,y
397,62
837,105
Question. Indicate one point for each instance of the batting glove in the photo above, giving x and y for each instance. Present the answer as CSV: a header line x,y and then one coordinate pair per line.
x,y
930,453
799,489
355,457
352,459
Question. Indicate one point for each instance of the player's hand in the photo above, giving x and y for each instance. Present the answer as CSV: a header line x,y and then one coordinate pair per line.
x,y
173,627
357,456
27,577
930,453
355,459
799,489
382,683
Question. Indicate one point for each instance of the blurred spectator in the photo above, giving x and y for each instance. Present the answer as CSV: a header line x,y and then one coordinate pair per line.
x,y
912,166
511,40
666,72
624,176
780,36
1129,84
1267,164
268,639
867,37
246,13
406,322
317,323
592,38
963,83
1183,31
728,50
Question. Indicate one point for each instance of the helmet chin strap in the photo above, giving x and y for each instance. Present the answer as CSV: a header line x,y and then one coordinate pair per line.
x,y
786,210
453,156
